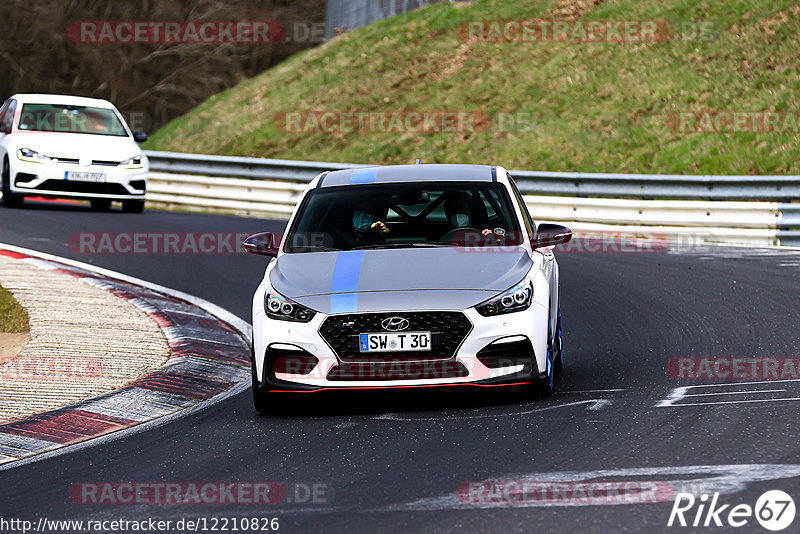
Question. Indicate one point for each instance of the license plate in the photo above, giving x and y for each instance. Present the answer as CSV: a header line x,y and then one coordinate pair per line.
x,y
85,176
394,342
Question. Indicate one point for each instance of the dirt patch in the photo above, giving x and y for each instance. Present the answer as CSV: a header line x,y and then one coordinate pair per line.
x,y
770,26
11,344
453,64
574,9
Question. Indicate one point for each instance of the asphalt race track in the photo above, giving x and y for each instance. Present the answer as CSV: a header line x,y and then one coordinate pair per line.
x,y
394,463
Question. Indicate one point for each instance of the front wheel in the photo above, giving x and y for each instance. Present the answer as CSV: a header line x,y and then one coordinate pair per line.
x,y
10,200
558,363
100,204
261,399
133,206
543,384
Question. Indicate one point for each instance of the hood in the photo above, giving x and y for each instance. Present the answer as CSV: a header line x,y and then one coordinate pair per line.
x,y
70,145
447,278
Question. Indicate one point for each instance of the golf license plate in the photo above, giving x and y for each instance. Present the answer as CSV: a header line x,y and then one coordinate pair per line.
x,y
78,176
393,342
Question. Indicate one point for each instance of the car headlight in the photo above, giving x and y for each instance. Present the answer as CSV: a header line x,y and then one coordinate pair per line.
x,y
516,299
281,308
136,162
26,154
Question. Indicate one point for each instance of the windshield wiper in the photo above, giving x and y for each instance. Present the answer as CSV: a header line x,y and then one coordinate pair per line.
x,y
312,248
429,244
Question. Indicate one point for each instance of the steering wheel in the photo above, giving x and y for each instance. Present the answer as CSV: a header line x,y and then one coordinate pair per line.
x,y
452,233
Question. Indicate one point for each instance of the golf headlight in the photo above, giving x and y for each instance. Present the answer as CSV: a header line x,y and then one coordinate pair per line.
x,y
516,299
136,162
281,308
26,154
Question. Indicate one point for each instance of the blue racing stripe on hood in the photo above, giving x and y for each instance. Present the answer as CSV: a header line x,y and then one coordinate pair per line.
x,y
364,176
344,284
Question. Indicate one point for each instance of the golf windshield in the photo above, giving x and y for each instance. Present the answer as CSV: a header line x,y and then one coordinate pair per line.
x,y
70,119
404,214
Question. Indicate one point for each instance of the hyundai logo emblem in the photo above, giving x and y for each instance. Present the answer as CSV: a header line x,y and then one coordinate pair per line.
x,y
395,324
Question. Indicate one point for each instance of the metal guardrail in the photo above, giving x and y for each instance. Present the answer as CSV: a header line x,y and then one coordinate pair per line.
x,y
751,209
251,168
659,186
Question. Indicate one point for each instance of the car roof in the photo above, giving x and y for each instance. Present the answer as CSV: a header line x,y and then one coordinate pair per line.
x,y
409,173
36,98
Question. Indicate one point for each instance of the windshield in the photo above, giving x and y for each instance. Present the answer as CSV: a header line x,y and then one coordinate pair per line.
x,y
404,215
70,119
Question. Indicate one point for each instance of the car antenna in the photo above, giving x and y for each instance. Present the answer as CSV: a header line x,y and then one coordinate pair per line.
x,y
416,162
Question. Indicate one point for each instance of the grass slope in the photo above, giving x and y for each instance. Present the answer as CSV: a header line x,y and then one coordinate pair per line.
x,y
599,107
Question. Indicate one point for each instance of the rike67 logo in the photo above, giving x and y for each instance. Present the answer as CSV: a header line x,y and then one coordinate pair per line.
x,y
774,510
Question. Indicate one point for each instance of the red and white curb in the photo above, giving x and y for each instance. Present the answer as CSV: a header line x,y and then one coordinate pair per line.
x,y
210,361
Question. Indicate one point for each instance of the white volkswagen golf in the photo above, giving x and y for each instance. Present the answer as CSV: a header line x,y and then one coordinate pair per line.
x,y
58,146
407,276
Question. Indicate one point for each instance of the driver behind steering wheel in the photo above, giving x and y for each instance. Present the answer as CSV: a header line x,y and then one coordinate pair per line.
x,y
458,210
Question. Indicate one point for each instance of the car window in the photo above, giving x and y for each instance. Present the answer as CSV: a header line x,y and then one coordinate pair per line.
x,y
7,115
70,119
404,214
530,226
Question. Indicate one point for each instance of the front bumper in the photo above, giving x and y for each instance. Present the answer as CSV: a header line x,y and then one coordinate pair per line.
x,y
48,180
508,349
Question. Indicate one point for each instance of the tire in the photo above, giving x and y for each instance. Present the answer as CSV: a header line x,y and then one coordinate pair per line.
x,y
262,400
543,384
100,204
558,362
133,206
10,200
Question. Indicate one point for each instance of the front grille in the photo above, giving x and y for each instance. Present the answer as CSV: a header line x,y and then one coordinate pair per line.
x,y
105,162
68,186
448,330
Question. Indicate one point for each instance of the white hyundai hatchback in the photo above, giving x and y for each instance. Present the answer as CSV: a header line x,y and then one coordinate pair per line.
x,y
58,146
407,276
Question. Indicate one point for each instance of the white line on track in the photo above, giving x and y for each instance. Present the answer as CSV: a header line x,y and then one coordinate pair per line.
x,y
736,392
592,391
594,404
675,396
696,479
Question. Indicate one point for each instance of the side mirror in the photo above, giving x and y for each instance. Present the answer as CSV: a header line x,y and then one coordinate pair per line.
x,y
139,136
549,235
265,244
